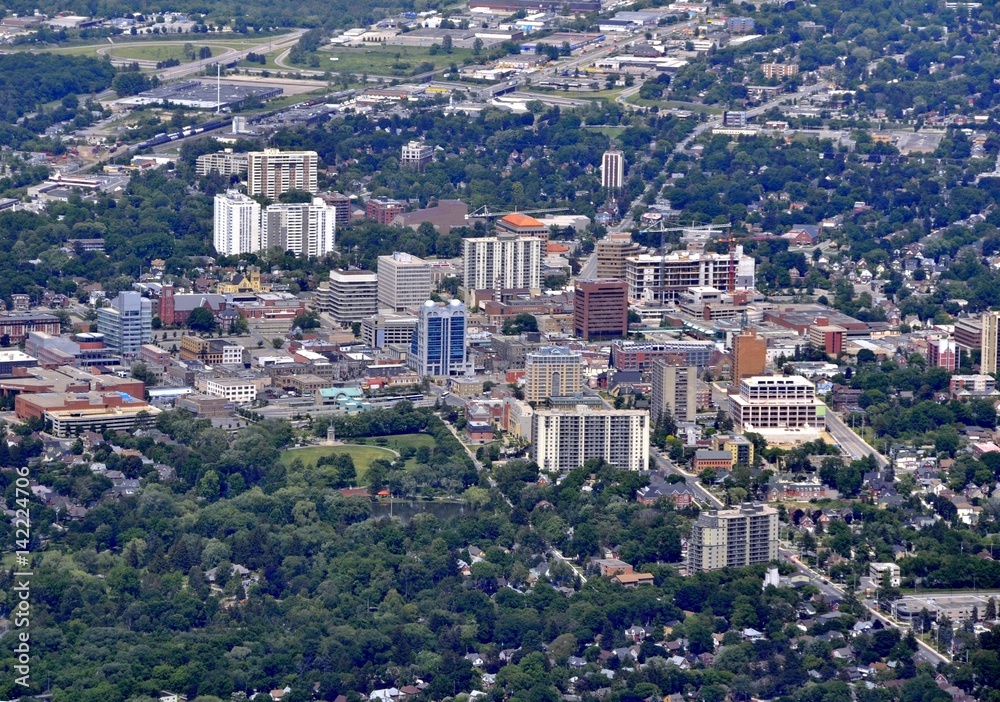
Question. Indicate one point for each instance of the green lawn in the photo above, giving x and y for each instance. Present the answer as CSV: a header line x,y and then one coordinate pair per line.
x,y
363,456
162,52
383,60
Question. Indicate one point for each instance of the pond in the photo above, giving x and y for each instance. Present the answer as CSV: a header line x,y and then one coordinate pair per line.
x,y
407,509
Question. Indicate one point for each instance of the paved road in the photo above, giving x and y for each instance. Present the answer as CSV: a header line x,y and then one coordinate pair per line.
x,y
851,443
664,463
828,587
588,271
231,56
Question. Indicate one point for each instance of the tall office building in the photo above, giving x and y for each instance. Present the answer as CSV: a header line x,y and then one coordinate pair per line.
x,y
749,355
403,281
438,345
127,324
552,371
271,172
305,228
237,224
501,262
990,342
600,309
675,390
349,296
776,402
732,538
613,170
564,440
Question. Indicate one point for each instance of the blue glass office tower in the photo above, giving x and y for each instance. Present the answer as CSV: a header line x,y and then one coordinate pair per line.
x,y
438,346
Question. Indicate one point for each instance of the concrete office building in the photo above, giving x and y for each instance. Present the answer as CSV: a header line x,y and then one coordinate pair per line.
x,y
651,277
127,324
438,347
733,538
416,154
272,172
552,371
613,170
612,252
388,329
403,281
600,309
776,402
990,342
349,296
675,391
564,440
305,228
237,224
749,355
502,263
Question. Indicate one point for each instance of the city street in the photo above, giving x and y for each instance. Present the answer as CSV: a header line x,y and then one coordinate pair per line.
x,y
850,443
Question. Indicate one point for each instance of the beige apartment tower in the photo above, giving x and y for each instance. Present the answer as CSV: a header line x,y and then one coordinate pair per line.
x,y
612,252
732,538
272,172
991,346
675,391
552,371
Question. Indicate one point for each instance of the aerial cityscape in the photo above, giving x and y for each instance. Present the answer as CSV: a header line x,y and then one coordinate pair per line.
x,y
522,350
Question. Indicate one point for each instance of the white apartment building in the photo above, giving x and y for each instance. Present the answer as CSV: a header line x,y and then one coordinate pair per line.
x,y
416,154
272,172
565,440
404,281
732,538
349,296
236,390
613,170
237,224
776,402
307,229
502,262
225,163
649,276
552,371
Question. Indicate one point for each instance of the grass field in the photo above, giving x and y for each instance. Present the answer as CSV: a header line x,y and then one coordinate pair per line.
x,y
158,53
384,60
400,441
363,456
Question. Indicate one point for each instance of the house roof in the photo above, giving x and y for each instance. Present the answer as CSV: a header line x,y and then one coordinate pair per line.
x,y
519,220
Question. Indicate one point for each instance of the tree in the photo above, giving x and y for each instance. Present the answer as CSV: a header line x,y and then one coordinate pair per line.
x,y
447,44
477,47
308,320
201,319
523,322
140,371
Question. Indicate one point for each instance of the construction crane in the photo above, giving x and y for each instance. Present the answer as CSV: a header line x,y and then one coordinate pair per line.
x,y
485,212
662,229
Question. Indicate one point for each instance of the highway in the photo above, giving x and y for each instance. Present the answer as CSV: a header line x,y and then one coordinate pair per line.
x,y
231,56
850,443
